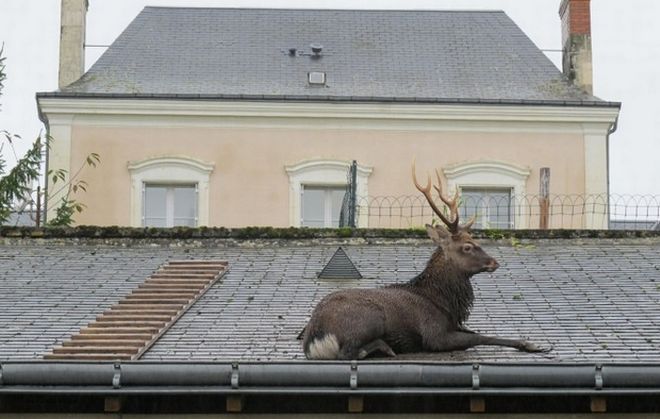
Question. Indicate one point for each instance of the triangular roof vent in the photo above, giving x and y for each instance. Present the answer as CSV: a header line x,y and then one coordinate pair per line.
x,y
340,266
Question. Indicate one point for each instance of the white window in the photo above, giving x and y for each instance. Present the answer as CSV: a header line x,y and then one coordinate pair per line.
x,y
491,207
169,191
322,205
487,187
329,174
170,205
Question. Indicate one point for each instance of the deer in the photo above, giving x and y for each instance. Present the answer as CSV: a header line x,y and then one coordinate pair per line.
x,y
425,314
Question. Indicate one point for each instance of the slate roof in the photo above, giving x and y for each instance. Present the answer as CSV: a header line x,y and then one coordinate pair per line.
x,y
593,301
377,55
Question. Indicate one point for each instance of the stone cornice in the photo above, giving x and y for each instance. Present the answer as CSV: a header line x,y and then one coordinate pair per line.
x,y
57,107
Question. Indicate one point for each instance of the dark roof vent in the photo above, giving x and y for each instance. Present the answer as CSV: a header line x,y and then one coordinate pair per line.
x,y
316,50
340,266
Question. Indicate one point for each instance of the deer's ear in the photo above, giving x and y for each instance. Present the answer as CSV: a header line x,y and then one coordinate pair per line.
x,y
438,233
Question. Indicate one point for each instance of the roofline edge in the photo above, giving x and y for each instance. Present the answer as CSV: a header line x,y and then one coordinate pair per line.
x,y
114,110
322,99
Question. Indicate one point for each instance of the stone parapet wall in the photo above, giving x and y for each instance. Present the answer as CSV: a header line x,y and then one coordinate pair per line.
x,y
264,236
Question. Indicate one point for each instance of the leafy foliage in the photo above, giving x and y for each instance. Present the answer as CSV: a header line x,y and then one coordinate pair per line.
x,y
68,207
16,186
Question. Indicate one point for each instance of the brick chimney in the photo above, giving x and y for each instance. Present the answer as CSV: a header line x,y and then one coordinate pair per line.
x,y
576,42
72,41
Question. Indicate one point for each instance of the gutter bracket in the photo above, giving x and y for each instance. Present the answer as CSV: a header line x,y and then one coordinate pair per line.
x,y
599,377
354,375
234,375
116,379
475,377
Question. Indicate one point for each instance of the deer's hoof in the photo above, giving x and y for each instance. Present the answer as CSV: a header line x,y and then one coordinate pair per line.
x,y
532,347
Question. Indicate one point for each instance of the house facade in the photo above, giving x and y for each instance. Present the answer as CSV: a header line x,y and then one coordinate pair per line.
x,y
237,117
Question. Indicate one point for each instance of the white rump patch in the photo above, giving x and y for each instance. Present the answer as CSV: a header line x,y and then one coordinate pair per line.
x,y
324,348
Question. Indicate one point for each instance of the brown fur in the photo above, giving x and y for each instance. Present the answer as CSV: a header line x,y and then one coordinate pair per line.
x,y
425,314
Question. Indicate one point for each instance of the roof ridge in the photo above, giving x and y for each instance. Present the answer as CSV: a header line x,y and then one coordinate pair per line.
x,y
327,9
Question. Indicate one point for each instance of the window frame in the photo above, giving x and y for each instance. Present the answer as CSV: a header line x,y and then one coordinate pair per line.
x,y
486,197
323,173
492,174
170,218
169,170
327,202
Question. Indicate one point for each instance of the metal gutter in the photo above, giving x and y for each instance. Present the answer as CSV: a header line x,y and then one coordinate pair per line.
x,y
329,98
326,378
612,130
44,119
320,391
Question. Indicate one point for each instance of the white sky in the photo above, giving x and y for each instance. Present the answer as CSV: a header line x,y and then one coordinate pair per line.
x,y
625,37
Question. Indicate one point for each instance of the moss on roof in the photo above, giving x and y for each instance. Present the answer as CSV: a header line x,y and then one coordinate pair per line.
x,y
251,233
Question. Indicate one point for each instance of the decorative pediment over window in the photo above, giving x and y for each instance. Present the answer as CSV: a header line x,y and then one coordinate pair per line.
x,y
478,168
180,163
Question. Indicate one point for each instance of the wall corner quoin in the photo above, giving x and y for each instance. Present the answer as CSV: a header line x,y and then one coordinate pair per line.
x,y
58,157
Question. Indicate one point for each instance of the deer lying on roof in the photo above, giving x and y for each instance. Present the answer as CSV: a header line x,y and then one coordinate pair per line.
x,y
424,315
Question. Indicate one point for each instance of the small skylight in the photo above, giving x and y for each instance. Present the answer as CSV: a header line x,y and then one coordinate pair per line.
x,y
316,78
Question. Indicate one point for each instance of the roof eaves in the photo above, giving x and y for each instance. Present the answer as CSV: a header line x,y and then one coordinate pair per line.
x,y
330,98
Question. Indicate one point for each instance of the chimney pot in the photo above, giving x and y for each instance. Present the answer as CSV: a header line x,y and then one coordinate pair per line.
x,y
72,41
576,42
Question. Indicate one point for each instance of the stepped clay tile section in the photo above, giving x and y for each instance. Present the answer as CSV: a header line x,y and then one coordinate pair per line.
x,y
130,327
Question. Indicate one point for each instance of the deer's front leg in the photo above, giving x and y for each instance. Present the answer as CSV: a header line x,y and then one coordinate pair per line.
x,y
459,340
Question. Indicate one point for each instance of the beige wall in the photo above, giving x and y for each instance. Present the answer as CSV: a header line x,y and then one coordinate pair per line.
x,y
249,184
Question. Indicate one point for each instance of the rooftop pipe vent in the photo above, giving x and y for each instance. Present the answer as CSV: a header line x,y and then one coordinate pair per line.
x,y
316,49
340,266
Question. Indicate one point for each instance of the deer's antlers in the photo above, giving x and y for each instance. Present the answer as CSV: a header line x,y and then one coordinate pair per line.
x,y
452,204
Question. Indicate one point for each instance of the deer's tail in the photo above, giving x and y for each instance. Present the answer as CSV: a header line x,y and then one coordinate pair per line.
x,y
325,347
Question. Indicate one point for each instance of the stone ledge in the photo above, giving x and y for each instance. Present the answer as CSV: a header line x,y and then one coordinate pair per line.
x,y
285,234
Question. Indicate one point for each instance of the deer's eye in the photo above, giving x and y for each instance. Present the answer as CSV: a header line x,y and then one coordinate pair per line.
x,y
467,248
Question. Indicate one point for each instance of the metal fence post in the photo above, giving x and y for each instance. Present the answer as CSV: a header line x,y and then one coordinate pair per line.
x,y
353,195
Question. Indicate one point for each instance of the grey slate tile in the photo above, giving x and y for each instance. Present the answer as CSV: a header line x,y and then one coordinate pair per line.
x,y
367,54
256,311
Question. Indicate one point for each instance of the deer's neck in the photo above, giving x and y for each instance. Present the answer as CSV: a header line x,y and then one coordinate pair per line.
x,y
446,286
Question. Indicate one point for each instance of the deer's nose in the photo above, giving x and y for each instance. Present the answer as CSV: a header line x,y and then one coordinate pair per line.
x,y
492,265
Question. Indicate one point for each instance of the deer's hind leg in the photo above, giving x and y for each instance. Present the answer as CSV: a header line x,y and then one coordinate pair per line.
x,y
377,345
460,340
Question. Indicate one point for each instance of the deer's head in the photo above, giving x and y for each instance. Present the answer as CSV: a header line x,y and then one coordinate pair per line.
x,y
459,248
